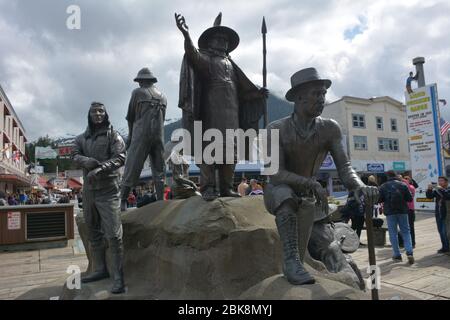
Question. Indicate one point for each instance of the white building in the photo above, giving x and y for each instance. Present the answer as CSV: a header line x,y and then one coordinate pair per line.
x,y
12,145
376,133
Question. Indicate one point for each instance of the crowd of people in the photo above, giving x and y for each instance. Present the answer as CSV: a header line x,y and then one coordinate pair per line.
x,y
30,198
140,197
396,202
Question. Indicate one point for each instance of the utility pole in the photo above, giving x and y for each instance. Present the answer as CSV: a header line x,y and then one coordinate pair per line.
x,y
419,62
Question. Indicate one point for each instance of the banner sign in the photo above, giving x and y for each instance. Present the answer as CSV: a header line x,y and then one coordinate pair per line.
x,y
424,140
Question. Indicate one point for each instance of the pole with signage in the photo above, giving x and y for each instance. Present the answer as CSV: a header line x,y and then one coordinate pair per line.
x,y
424,141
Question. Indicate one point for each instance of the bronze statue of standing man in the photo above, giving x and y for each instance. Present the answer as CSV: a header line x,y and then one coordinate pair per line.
x,y
215,91
146,113
100,151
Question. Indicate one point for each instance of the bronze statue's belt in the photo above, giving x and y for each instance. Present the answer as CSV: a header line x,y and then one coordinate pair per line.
x,y
219,82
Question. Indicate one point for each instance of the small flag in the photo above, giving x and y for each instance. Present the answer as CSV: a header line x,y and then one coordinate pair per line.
x,y
445,126
443,101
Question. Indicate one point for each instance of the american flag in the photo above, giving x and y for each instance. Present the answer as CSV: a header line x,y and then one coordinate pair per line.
x,y
445,126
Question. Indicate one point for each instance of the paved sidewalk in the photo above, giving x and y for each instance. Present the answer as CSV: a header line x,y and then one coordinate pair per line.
x,y
22,271
428,278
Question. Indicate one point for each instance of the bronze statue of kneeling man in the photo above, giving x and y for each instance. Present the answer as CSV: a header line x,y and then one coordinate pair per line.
x,y
292,194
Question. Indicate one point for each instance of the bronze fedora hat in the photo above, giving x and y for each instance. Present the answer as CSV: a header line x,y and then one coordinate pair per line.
x,y
233,37
303,77
145,74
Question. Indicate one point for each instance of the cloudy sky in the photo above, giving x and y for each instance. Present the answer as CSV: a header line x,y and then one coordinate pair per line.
x,y
51,73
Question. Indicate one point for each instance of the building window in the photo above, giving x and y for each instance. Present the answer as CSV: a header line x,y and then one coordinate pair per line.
x,y
386,144
379,121
360,142
358,121
394,127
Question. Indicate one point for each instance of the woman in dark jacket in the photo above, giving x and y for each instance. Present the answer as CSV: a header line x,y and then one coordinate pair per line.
x,y
354,211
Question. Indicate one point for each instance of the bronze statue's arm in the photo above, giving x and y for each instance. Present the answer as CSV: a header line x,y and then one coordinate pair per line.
x,y
118,154
192,53
80,159
283,176
346,173
130,117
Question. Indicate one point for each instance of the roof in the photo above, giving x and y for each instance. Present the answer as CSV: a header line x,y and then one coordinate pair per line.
x,y
73,183
44,182
369,101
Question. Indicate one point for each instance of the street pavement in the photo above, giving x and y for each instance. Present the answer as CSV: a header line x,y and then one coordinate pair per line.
x,y
428,278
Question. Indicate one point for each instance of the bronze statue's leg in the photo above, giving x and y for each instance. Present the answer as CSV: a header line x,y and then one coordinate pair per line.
x,y
107,203
226,175
207,181
124,192
286,220
134,162
158,168
305,214
95,234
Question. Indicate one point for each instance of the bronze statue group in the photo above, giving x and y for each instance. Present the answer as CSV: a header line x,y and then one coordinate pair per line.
x,y
214,90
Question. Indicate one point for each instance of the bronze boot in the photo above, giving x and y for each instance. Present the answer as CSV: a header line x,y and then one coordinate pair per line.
x,y
226,174
100,271
293,268
116,248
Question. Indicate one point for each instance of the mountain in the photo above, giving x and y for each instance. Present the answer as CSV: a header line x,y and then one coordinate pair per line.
x,y
277,108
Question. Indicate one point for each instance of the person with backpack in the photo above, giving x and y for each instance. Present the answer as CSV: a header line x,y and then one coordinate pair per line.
x,y
441,193
395,195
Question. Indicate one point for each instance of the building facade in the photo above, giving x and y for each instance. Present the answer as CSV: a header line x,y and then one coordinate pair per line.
x,y
376,133
12,144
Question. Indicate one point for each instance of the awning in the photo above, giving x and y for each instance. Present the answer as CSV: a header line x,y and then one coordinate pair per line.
x,y
73,183
15,180
43,182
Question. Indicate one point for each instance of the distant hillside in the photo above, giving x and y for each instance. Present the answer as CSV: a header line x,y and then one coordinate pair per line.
x,y
277,107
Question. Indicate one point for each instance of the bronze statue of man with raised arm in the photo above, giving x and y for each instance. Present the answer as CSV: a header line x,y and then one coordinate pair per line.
x,y
214,90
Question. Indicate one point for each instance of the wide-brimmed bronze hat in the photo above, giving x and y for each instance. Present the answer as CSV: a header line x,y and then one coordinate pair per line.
x,y
145,74
303,77
233,38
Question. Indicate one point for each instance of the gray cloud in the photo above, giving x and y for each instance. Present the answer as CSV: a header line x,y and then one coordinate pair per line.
x,y
51,74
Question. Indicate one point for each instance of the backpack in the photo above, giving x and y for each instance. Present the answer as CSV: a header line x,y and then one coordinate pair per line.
x,y
395,198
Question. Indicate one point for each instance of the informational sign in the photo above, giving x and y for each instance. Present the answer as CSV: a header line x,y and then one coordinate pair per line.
x,y
424,141
14,221
375,167
399,166
64,152
59,183
39,169
328,163
45,153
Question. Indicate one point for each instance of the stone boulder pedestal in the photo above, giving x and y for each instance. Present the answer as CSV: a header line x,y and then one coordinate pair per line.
x,y
228,248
